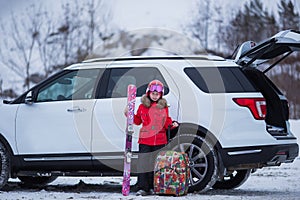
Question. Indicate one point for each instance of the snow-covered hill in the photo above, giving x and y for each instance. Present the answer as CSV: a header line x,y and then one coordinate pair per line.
x,y
147,42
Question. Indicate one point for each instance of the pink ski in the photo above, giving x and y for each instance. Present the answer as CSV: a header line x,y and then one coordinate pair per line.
x,y
131,96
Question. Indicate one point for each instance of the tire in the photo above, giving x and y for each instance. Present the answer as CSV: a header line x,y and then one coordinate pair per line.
x,y
4,166
233,180
202,161
36,181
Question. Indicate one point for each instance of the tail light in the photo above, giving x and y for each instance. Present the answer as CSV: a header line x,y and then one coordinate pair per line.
x,y
257,106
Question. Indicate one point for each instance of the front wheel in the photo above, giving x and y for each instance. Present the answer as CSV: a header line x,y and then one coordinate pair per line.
x,y
202,161
233,180
4,166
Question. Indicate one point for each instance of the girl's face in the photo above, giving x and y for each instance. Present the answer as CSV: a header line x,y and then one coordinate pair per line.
x,y
154,96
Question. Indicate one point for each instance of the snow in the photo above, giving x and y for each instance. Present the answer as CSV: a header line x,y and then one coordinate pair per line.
x,y
267,183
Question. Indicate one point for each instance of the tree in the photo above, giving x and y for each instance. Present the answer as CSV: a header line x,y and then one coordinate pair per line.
x,y
287,78
48,48
253,22
20,38
35,44
288,16
200,26
83,26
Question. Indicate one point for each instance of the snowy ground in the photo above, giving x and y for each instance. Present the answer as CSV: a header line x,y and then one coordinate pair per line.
x,y
268,183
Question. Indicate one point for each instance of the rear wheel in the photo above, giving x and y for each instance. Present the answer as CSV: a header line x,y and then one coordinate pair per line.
x,y
36,181
233,180
4,165
202,161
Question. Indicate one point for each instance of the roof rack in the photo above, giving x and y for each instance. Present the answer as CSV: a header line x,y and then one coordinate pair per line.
x,y
168,57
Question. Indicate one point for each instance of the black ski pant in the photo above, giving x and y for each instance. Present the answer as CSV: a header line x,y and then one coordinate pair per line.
x,y
145,166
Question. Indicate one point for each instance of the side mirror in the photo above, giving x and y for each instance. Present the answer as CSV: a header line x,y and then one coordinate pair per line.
x,y
28,98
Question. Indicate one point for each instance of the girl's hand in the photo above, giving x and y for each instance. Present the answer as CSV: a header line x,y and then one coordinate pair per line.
x,y
175,124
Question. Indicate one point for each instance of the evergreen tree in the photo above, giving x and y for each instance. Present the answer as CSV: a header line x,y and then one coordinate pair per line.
x,y
253,22
288,16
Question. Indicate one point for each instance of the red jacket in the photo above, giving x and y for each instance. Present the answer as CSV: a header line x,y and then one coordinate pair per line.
x,y
155,120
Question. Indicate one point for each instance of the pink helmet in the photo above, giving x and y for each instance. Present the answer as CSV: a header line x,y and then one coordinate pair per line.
x,y
155,85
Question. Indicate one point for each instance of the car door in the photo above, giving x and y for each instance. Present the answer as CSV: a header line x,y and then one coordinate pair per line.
x,y
58,120
109,121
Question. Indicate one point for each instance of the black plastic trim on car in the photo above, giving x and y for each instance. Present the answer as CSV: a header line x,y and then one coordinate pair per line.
x,y
54,161
258,154
101,164
280,137
102,85
65,162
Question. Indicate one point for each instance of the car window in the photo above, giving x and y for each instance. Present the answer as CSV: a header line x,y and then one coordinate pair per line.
x,y
220,79
120,78
78,84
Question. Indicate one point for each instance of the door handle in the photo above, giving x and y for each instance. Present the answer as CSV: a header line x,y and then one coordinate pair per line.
x,y
76,109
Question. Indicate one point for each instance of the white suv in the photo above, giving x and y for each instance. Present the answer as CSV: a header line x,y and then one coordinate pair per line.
x,y
233,120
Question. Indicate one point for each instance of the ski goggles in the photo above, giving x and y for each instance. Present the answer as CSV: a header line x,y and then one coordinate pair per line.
x,y
157,88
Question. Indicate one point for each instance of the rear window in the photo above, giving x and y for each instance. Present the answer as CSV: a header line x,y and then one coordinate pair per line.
x,y
220,79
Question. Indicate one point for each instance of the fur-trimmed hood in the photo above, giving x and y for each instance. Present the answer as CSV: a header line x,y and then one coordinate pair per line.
x,y
161,103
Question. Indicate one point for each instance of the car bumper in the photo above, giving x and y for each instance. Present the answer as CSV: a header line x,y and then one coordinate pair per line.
x,y
259,156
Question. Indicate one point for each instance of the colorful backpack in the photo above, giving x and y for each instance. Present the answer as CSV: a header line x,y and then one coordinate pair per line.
x,y
171,173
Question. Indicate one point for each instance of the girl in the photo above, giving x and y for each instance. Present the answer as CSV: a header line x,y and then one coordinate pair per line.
x,y
153,114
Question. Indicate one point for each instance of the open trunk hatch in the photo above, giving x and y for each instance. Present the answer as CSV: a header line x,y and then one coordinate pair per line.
x,y
283,43
250,55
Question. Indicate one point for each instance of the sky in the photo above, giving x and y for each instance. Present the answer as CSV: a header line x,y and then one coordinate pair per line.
x,y
141,13
169,14
134,14
131,14
172,14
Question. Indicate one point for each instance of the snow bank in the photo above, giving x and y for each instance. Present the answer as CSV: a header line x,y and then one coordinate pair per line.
x,y
295,127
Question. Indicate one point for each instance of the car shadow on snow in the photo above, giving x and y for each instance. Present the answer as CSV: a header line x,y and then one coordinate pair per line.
x,y
113,187
81,186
